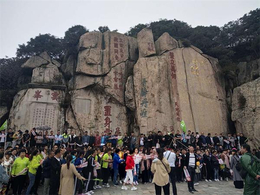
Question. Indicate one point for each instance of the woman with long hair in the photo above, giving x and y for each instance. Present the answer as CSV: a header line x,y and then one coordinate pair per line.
x,y
33,166
161,169
68,171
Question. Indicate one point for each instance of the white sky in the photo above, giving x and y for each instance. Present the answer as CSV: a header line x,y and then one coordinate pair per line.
x,y
21,20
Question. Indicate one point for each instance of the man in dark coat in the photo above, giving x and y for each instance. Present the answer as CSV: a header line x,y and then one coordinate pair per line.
x,y
55,173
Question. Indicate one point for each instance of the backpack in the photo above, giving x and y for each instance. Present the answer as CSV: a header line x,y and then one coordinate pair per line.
x,y
254,162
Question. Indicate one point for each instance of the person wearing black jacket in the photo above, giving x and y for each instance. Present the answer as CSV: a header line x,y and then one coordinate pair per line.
x,y
191,165
72,140
208,140
208,165
216,141
46,172
88,171
55,173
92,140
150,140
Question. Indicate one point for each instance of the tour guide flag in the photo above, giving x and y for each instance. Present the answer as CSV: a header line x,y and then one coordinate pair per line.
x,y
4,126
183,126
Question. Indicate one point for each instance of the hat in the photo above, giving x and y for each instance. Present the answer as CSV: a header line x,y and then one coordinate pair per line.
x,y
234,150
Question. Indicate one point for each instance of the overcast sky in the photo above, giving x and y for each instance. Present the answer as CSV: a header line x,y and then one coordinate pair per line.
x,y
21,20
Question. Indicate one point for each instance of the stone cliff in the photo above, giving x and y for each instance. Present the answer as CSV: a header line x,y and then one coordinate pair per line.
x,y
119,83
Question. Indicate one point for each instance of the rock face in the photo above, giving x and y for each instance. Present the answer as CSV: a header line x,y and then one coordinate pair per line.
x,y
36,108
246,110
119,83
39,105
95,111
145,43
47,75
248,71
178,85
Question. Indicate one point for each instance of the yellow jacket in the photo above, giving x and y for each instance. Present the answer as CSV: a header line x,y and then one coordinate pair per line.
x,y
33,165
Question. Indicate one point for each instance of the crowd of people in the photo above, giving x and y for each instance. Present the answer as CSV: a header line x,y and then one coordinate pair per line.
x,y
69,164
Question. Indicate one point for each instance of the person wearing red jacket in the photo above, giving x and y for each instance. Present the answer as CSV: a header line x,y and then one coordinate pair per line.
x,y
130,165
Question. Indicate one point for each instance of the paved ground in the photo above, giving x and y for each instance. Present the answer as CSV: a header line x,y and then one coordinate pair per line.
x,y
211,188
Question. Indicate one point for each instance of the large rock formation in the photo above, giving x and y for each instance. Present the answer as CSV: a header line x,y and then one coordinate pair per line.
x,y
246,110
41,104
119,83
178,85
248,71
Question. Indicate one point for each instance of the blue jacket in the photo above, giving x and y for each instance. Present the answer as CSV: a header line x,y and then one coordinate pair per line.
x,y
78,161
85,139
46,168
116,161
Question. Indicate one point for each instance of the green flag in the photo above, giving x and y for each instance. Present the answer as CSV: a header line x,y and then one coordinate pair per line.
x,y
4,126
183,126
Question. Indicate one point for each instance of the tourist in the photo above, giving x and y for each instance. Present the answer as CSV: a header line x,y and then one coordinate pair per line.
x,y
39,140
145,166
67,173
2,138
85,138
178,139
72,140
126,141
7,162
98,140
98,158
137,159
132,141
51,139
65,138
161,169
107,158
18,172
33,166
119,140
130,165
179,166
190,166
47,171
26,139
45,139
208,165
170,156
33,134
116,162
58,139
9,138
55,173
252,178
209,140
216,141
199,164
242,139
92,140
88,172
237,179
4,179
215,165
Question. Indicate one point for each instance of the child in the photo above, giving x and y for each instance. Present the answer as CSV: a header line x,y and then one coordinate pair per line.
x,y
130,164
